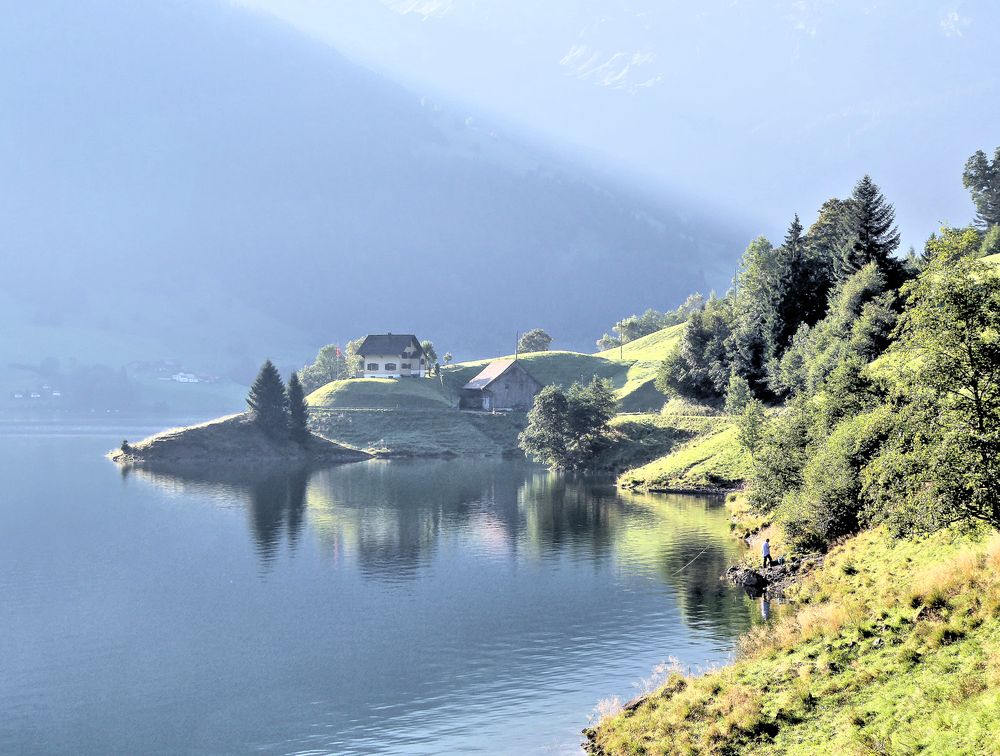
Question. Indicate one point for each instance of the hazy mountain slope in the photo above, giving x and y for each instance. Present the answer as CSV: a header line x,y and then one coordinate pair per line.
x,y
190,176
766,108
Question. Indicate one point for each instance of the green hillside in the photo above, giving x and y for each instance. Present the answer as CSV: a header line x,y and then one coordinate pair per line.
x,y
562,368
381,393
889,648
637,392
409,417
631,369
420,417
705,453
632,376
421,433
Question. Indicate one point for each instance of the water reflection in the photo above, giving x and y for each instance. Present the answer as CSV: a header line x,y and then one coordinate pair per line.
x,y
274,497
391,607
390,518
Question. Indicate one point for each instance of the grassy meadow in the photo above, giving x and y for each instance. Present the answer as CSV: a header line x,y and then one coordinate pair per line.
x,y
419,417
891,647
704,451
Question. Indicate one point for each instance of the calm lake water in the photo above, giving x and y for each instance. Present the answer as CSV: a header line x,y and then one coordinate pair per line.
x,y
410,607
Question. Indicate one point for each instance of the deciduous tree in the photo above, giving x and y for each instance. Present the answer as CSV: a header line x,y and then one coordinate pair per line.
x,y
568,429
942,464
535,340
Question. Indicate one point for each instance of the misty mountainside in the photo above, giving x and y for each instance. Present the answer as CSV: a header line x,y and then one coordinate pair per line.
x,y
765,108
196,182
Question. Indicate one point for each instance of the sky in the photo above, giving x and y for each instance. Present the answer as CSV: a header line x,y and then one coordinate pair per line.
x,y
759,109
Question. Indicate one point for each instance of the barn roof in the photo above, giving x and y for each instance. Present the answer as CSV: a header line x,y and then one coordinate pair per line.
x,y
493,371
388,343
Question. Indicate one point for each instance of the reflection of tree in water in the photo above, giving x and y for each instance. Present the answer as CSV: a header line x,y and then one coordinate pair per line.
x,y
392,514
393,517
275,504
567,512
274,496
689,543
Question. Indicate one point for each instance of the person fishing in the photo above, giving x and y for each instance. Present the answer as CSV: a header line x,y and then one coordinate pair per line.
x,y
765,551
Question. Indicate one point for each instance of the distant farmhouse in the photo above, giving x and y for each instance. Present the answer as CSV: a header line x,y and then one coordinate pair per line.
x,y
502,385
389,355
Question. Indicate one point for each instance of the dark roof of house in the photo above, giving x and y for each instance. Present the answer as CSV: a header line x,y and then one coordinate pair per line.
x,y
389,343
493,371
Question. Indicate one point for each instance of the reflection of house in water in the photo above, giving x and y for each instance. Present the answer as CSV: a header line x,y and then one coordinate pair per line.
x,y
393,520
391,516
501,385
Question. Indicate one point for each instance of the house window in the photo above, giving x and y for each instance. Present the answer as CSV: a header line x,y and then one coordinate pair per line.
x,y
390,367
373,366
404,366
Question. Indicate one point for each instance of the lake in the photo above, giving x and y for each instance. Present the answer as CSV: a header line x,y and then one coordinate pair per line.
x,y
387,606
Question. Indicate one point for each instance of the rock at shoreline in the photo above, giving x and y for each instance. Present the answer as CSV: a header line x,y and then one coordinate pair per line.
x,y
774,580
230,440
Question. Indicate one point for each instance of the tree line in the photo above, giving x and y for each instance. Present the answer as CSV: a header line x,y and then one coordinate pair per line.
x,y
279,410
886,368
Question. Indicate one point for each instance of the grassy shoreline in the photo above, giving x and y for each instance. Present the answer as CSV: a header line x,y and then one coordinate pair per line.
x,y
893,646
230,440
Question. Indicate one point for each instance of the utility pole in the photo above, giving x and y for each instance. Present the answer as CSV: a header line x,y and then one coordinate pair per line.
x,y
517,344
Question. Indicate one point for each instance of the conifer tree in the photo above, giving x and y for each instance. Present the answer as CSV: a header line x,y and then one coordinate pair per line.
x,y
761,286
298,412
982,178
875,235
796,304
267,400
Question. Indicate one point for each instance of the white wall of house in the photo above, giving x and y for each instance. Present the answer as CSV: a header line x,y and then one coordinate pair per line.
x,y
391,366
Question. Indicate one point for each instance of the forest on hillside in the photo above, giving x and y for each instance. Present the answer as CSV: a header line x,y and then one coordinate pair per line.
x,y
886,368
865,384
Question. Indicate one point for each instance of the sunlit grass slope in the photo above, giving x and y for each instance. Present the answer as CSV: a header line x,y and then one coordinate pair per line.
x,y
418,433
381,393
560,368
637,391
419,415
893,647
409,417
632,370
710,456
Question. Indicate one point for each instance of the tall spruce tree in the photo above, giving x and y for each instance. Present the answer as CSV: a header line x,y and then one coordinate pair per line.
x,y
267,400
761,284
827,237
797,303
875,236
298,412
982,178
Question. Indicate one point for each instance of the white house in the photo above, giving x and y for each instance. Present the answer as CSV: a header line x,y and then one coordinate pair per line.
x,y
391,355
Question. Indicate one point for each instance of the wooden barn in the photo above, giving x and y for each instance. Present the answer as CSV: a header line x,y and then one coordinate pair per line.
x,y
502,385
